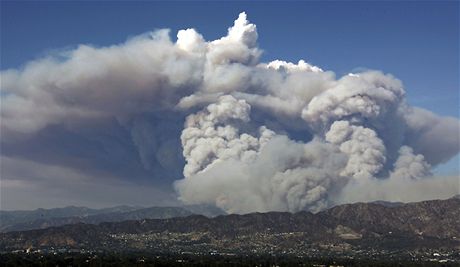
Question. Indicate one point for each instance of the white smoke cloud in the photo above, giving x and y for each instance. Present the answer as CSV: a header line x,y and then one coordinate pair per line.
x,y
436,138
208,136
282,175
366,152
359,139
364,98
399,189
291,67
409,165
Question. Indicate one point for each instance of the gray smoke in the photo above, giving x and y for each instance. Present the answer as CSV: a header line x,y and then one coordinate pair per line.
x,y
365,150
257,136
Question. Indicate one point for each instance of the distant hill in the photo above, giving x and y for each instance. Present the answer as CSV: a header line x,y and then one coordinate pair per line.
x,y
353,227
44,218
10,218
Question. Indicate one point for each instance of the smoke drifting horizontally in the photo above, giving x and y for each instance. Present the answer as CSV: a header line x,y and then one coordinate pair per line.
x,y
361,141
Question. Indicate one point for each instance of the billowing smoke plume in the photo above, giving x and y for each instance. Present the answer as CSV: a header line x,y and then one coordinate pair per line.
x,y
242,172
209,136
257,136
365,150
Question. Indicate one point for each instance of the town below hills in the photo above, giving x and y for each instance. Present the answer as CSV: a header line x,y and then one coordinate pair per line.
x,y
427,231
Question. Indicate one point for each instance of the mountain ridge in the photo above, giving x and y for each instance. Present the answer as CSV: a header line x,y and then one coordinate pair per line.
x,y
43,218
413,226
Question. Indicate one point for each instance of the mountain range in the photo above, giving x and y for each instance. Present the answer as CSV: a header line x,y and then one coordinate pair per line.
x,y
44,218
351,228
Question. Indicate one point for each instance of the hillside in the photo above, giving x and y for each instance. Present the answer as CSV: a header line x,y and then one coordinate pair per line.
x,y
347,228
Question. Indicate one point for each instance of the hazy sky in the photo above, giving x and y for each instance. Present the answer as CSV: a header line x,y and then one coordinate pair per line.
x,y
102,162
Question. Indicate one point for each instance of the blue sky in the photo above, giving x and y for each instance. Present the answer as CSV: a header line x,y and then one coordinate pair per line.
x,y
417,42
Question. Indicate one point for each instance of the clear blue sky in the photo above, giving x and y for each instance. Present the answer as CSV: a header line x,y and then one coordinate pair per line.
x,y
418,42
